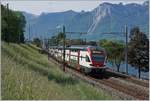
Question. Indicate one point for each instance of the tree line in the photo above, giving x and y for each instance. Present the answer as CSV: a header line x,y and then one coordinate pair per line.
x,y
13,24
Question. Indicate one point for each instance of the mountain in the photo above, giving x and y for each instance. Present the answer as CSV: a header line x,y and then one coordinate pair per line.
x,y
47,22
105,18
29,16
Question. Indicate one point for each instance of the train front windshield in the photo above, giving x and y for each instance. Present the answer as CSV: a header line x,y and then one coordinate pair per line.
x,y
98,57
97,54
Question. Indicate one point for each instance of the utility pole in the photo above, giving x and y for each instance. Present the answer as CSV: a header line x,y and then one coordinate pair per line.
x,y
29,32
64,43
126,48
64,48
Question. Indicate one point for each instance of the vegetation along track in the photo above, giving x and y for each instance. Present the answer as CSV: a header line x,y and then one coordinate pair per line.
x,y
123,86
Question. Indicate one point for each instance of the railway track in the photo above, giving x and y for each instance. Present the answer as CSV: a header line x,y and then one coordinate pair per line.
x,y
127,89
116,84
144,83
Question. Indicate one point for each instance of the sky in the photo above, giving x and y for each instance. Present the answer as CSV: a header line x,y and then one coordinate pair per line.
x,y
39,6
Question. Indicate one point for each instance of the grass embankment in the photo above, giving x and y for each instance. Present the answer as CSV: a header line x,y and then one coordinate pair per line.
x,y
26,74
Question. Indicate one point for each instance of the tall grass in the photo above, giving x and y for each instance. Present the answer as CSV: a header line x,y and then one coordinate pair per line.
x,y
26,74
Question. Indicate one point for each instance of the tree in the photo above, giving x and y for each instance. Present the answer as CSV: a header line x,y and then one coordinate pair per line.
x,y
77,42
118,55
93,43
138,53
56,40
60,38
37,42
53,41
114,51
13,24
21,38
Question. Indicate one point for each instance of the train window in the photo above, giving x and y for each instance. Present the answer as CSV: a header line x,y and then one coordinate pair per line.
x,y
87,59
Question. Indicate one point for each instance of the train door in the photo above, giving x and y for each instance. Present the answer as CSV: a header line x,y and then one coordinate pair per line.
x,y
78,60
81,58
87,60
67,55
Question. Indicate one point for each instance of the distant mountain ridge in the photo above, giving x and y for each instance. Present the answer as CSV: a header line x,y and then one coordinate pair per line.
x,y
105,18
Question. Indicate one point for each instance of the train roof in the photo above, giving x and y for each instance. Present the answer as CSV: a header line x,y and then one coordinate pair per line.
x,y
84,47
78,47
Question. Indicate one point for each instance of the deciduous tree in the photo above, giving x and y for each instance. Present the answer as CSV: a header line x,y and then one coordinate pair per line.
x,y
138,54
114,51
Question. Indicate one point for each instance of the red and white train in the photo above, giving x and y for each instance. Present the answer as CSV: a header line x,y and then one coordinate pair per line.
x,y
86,58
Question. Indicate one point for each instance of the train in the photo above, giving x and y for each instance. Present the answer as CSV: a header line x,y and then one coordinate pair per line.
x,y
86,58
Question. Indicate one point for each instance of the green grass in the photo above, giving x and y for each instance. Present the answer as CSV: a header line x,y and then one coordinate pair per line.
x,y
26,74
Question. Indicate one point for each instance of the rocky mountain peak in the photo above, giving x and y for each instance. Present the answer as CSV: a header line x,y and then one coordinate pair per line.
x,y
146,3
